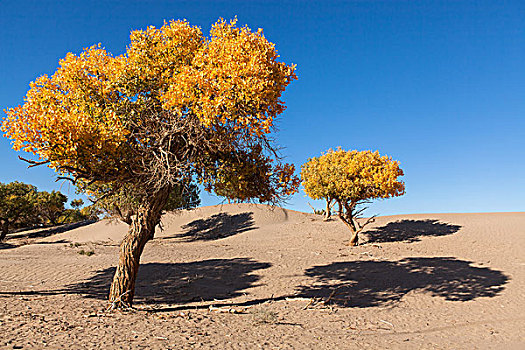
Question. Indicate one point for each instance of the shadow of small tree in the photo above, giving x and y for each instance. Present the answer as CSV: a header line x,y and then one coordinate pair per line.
x,y
410,231
4,245
374,283
217,226
59,229
12,246
20,238
180,283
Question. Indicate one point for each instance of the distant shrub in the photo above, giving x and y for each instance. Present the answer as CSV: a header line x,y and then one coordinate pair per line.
x,y
86,252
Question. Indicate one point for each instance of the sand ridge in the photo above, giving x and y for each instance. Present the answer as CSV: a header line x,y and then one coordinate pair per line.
x,y
222,219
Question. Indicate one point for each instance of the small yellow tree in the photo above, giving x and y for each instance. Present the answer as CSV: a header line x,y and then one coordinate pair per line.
x,y
352,178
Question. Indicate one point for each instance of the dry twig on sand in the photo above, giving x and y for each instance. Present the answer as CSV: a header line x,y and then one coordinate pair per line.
x,y
227,309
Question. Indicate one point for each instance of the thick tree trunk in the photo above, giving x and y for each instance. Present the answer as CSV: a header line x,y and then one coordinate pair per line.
x,y
123,287
141,230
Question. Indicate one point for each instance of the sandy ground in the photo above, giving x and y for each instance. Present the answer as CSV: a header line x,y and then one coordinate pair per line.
x,y
249,277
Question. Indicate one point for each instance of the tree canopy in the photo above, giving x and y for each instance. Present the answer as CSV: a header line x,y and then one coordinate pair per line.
x,y
50,205
23,206
16,204
175,107
352,178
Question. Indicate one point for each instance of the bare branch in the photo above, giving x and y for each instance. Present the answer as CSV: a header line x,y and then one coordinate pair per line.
x,y
66,178
368,221
359,212
33,163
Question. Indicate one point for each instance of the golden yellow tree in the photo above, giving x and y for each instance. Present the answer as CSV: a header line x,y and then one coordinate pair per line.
x,y
175,108
352,178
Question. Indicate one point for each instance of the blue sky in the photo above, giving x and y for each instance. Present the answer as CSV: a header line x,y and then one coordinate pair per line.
x,y
437,85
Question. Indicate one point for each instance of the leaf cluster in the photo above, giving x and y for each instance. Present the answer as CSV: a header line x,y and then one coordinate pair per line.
x,y
352,176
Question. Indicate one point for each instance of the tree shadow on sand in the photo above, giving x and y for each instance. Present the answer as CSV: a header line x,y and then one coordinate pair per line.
x,y
13,246
4,245
217,226
374,283
410,231
180,283
59,229
21,238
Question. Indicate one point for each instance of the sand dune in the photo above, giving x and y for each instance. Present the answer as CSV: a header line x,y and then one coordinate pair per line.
x,y
417,281
220,220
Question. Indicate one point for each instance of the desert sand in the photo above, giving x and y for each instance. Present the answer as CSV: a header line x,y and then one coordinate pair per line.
x,y
246,276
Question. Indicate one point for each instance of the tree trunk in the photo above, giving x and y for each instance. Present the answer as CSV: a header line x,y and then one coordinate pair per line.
x,y
141,230
354,240
4,230
346,216
328,210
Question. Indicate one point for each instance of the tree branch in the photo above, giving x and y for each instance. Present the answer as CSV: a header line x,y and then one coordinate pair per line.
x,y
66,178
33,163
368,221
360,211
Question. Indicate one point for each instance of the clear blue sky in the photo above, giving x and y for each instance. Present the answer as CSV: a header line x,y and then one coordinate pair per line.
x,y
438,85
